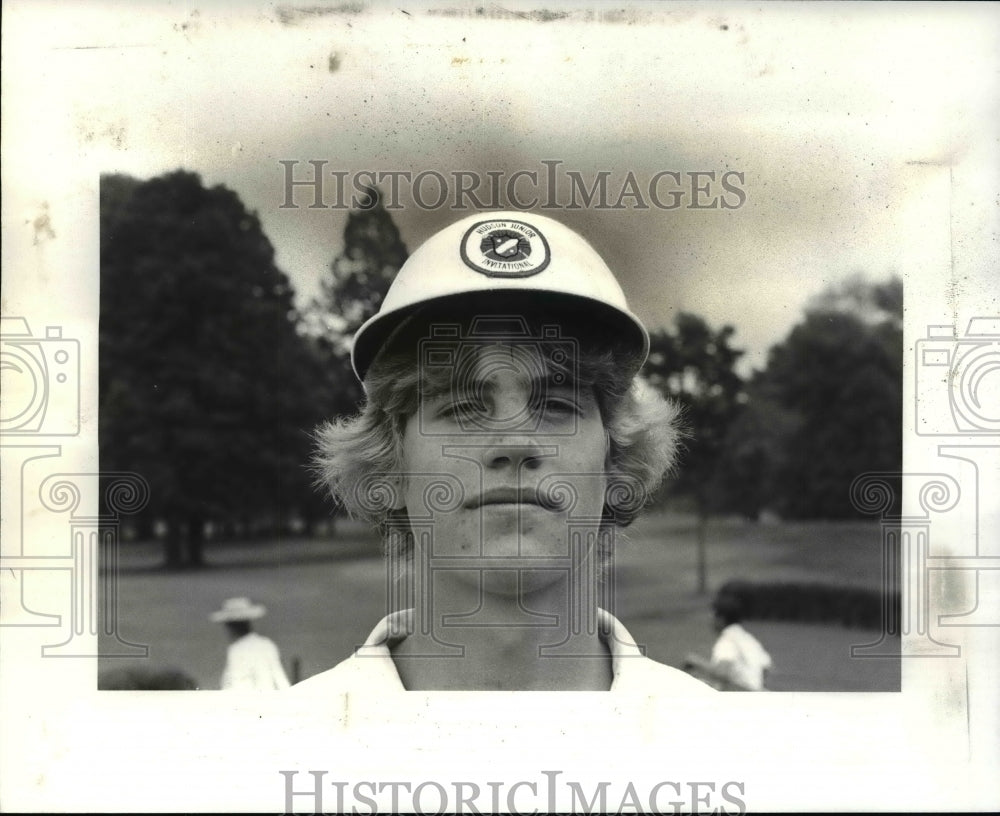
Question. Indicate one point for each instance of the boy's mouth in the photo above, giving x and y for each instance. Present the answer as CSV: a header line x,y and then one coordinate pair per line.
x,y
505,495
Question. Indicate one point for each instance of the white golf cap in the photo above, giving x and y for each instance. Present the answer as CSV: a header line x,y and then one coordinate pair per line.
x,y
503,253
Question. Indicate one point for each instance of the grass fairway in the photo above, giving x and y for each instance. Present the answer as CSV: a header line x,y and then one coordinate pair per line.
x,y
323,597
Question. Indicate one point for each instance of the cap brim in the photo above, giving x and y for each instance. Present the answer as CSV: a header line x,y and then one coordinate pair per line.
x,y
627,330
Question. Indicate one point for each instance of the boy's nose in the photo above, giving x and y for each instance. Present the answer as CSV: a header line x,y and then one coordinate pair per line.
x,y
514,452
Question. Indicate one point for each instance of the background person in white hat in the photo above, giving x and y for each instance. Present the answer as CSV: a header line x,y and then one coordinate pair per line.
x,y
504,440
253,662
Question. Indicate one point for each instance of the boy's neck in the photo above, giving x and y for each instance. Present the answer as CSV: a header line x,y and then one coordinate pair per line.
x,y
476,640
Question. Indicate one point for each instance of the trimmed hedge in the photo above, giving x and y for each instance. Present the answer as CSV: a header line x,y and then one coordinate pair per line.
x,y
136,678
815,603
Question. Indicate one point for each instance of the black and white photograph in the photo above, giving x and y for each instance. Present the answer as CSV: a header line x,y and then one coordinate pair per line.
x,y
499,407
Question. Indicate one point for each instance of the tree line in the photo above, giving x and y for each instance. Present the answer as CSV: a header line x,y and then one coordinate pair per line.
x,y
212,379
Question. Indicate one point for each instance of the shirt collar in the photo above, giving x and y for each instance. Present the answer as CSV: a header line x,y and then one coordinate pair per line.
x,y
394,627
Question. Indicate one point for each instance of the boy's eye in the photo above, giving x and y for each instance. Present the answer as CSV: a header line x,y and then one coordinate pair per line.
x,y
462,408
559,407
544,407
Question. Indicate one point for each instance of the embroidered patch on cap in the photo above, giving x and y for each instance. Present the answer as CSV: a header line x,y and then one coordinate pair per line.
x,y
505,249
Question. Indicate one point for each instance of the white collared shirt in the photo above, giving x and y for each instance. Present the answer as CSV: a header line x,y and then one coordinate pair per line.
x,y
371,670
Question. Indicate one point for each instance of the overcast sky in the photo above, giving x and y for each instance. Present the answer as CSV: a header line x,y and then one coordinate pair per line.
x,y
824,110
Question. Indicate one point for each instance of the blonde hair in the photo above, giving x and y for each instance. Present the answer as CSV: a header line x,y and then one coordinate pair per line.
x,y
359,458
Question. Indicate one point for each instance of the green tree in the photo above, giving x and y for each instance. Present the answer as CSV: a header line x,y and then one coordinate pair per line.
x,y
352,291
695,365
206,388
871,302
755,453
839,372
359,275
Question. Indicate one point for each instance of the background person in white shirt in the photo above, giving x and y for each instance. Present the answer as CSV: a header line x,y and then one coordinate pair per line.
x,y
737,656
253,662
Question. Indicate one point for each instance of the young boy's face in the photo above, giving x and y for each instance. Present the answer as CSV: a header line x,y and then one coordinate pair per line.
x,y
521,452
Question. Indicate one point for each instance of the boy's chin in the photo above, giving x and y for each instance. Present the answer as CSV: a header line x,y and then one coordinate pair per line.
x,y
514,583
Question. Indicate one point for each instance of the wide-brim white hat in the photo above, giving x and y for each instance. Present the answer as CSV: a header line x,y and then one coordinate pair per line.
x,y
497,254
238,609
